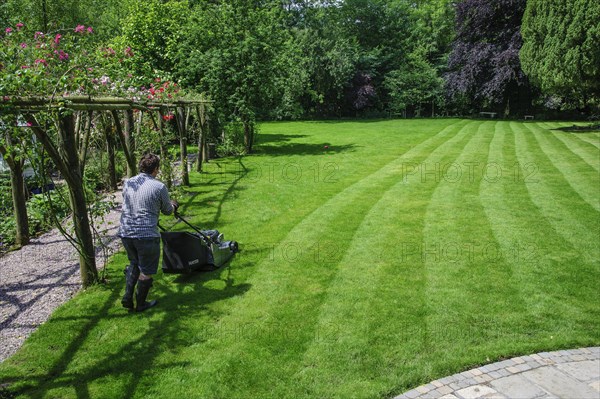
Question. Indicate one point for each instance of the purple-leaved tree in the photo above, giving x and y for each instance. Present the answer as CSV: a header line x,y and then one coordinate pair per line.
x,y
484,67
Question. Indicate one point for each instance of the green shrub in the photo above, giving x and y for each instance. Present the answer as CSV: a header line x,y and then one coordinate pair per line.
x,y
232,143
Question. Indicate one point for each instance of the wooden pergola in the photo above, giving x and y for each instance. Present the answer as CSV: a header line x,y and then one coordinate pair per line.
x,y
72,117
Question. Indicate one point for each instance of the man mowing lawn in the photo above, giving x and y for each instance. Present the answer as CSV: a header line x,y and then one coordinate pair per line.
x,y
144,198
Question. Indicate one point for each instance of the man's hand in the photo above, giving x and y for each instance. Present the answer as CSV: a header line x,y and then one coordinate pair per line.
x,y
175,205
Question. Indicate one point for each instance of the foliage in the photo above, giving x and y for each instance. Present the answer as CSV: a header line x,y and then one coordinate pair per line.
x,y
154,29
560,50
5,195
484,66
230,51
417,82
328,64
232,143
40,212
96,174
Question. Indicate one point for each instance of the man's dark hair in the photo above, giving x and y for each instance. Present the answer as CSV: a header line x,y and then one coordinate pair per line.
x,y
148,163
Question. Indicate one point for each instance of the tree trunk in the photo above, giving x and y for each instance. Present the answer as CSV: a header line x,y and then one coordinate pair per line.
x,y
67,161
17,184
110,149
81,224
19,204
165,165
248,136
128,155
201,115
181,126
129,141
87,258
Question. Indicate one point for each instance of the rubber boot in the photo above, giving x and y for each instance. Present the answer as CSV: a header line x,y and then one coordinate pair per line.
x,y
142,292
131,277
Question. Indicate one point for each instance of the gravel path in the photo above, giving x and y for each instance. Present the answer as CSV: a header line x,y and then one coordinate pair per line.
x,y
40,277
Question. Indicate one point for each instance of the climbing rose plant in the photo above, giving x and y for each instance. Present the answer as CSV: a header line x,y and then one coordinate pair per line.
x,y
68,62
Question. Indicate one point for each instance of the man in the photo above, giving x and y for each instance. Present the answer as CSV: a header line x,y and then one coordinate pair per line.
x,y
144,198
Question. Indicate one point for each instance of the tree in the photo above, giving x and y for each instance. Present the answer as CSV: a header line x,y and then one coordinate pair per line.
x,y
13,150
230,51
560,50
417,82
484,66
153,28
50,15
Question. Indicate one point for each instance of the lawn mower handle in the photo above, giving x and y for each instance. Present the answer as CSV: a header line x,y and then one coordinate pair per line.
x,y
178,216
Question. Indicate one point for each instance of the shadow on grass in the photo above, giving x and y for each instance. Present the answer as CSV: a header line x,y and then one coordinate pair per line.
x,y
580,129
282,145
161,329
226,180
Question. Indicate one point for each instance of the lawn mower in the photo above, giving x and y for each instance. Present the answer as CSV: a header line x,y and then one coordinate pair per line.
x,y
201,250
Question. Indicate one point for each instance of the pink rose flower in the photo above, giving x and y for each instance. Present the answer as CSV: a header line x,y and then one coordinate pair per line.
x,y
79,29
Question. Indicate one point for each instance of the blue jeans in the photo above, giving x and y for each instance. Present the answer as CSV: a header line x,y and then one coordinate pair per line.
x,y
143,253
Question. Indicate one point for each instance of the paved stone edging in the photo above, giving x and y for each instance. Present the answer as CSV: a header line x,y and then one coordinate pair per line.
x,y
562,374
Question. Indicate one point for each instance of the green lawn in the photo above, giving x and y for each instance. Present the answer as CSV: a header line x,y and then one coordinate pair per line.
x,y
403,252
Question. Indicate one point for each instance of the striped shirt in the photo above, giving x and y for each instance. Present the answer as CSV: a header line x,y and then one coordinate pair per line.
x,y
144,198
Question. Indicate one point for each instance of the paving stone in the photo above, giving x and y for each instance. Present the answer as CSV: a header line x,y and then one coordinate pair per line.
x,y
506,363
487,368
504,372
477,391
573,373
517,386
587,370
523,367
467,374
565,359
479,379
445,390
495,374
433,394
447,380
560,384
493,366
455,386
422,389
468,382
534,364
